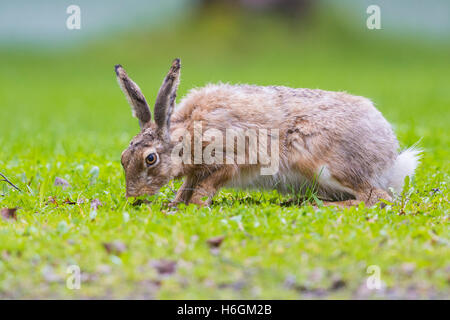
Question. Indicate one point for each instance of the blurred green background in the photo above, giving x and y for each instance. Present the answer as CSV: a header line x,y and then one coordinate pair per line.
x,y
64,78
62,113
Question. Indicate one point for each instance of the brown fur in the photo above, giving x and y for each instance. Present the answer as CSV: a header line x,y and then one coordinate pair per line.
x,y
340,140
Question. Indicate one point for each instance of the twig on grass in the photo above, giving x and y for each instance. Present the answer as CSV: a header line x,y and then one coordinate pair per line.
x,y
5,179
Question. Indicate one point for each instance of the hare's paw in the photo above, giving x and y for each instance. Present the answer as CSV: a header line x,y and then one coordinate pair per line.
x,y
200,203
174,204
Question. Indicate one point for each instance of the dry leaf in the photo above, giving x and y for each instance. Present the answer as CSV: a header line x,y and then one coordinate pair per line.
x,y
115,247
68,201
52,200
215,242
9,213
164,266
337,283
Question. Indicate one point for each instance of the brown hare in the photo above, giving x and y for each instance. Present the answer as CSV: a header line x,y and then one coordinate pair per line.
x,y
335,142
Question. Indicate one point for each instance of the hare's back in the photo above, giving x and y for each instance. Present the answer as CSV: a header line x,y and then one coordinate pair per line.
x,y
226,104
273,106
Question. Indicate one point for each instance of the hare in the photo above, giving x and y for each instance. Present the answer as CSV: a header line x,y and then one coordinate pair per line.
x,y
335,142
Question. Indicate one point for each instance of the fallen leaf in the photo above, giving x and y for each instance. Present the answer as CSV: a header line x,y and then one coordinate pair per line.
x,y
60,182
115,247
68,201
9,213
338,283
164,266
95,203
52,200
215,242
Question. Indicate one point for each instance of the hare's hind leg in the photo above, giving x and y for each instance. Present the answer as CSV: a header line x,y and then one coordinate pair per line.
x,y
370,197
342,181
373,196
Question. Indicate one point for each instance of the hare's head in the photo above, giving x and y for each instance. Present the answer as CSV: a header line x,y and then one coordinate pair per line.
x,y
147,160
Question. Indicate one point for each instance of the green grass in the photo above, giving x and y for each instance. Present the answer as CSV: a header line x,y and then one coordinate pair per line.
x,y
63,115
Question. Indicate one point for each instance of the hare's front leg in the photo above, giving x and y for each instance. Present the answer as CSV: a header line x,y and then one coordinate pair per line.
x,y
210,184
184,193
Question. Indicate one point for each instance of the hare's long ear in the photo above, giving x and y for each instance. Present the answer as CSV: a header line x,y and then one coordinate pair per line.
x,y
134,96
165,101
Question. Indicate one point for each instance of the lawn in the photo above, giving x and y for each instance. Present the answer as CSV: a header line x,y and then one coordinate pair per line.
x,y
63,116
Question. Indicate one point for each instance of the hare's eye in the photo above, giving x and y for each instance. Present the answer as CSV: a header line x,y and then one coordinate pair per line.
x,y
151,159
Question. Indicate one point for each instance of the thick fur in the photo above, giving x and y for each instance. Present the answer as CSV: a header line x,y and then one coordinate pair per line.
x,y
335,142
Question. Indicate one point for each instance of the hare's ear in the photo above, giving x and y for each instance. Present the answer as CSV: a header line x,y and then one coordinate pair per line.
x,y
165,101
134,96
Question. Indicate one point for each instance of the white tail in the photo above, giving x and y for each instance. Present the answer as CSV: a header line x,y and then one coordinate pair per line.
x,y
405,165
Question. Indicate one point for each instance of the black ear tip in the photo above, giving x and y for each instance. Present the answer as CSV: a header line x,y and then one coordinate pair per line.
x,y
117,67
176,62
